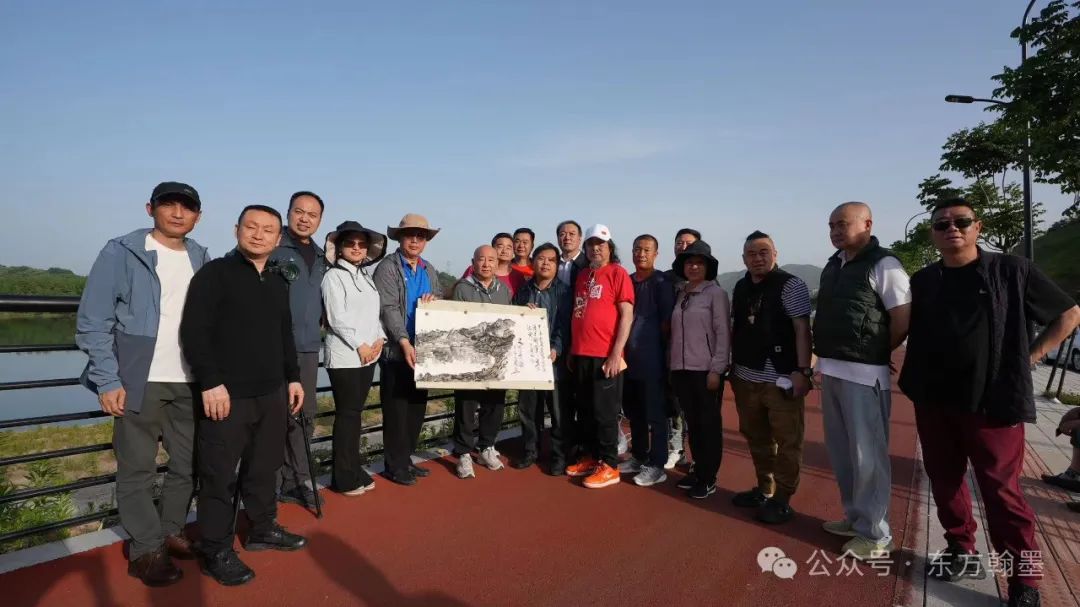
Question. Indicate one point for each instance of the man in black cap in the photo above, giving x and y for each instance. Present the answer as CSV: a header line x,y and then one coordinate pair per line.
x,y
129,327
237,335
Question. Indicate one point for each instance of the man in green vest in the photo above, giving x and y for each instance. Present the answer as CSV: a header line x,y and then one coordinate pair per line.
x,y
864,304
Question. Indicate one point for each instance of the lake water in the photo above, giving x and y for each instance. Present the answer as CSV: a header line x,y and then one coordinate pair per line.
x,y
35,402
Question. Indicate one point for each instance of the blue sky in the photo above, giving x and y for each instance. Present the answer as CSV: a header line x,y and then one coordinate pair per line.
x,y
487,116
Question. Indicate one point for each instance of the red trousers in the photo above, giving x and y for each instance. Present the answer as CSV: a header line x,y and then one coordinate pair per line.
x,y
996,451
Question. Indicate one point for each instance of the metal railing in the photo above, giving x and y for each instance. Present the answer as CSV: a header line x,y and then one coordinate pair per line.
x,y
37,304
1063,359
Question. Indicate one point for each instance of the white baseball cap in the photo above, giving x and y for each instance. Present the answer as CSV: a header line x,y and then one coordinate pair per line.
x,y
600,231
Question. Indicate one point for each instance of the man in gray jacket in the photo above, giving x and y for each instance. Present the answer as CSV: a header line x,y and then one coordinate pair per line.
x,y
403,279
479,412
304,265
129,327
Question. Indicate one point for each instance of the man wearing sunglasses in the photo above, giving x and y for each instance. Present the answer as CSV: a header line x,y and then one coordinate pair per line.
x,y
968,371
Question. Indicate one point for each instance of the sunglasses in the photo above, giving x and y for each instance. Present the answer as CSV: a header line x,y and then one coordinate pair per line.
x,y
961,223
359,244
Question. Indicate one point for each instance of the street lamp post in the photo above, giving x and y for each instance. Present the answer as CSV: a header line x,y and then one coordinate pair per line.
x,y
1029,244
907,236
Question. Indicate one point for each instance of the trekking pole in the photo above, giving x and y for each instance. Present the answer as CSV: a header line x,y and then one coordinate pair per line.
x,y
1065,364
310,463
236,502
1053,368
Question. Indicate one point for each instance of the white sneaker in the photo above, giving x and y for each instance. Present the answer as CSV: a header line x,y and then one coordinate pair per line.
x,y
490,458
673,458
631,466
649,476
464,467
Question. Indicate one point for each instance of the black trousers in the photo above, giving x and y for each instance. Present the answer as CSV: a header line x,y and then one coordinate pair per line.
x,y
532,406
643,403
403,407
701,407
350,387
478,414
599,399
566,391
253,435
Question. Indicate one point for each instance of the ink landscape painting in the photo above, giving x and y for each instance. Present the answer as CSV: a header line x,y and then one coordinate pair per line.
x,y
482,346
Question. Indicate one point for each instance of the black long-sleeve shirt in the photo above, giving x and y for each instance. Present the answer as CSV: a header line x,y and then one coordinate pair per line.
x,y
237,330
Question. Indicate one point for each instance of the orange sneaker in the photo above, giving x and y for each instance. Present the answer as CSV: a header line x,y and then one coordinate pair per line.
x,y
584,467
604,476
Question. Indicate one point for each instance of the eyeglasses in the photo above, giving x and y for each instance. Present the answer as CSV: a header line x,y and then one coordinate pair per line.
x,y
961,223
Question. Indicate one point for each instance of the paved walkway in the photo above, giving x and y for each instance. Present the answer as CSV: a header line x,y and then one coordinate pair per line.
x,y
522,538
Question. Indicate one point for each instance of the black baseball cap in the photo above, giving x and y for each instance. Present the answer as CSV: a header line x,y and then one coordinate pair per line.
x,y
174,189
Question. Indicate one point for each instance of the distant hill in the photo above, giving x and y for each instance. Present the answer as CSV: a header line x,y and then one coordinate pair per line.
x,y
810,274
23,280
1057,253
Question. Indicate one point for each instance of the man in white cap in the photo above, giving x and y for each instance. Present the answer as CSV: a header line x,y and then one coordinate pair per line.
x,y
403,279
600,327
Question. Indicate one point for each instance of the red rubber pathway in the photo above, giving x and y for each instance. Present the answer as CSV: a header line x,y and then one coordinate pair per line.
x,y
523,538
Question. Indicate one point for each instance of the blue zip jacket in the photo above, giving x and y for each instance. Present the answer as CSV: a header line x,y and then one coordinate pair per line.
x,y
119,313
305,293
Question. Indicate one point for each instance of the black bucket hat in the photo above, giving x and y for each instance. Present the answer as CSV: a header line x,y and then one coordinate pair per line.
x,y
376,242
699,248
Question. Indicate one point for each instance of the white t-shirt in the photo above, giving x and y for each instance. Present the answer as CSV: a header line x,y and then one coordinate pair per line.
x,y
174,273
889,280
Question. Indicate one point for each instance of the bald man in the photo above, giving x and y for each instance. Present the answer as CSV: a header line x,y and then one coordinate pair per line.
x,y
479,409
864,304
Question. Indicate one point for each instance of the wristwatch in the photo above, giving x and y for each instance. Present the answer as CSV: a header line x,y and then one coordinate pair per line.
x,y
806,371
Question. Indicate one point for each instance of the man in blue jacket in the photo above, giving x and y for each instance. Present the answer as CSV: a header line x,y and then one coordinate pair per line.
x,y
129,327
304,264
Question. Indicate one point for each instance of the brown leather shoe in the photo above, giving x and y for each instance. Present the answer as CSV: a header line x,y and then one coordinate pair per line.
x,y
179,547
155,569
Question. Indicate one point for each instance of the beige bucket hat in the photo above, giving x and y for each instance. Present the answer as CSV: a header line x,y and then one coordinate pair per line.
x,y
412,221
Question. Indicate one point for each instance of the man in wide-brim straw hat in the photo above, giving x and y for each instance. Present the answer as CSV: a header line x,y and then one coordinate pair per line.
x,y
403,279
412,223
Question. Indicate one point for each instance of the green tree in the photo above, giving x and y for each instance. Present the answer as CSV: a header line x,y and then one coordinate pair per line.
x,y
1045,94
1002,213
986,154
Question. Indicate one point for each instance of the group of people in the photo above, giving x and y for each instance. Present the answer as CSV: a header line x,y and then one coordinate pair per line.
x,y
219,359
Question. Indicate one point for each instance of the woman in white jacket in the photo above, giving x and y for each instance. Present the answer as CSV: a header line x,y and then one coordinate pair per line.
x,y
354,341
